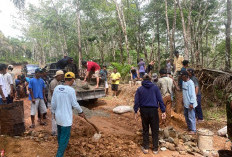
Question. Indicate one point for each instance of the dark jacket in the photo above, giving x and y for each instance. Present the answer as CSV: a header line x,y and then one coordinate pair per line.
x,y
148,95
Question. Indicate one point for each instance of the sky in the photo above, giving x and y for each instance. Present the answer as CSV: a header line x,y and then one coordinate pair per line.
x,y
10,20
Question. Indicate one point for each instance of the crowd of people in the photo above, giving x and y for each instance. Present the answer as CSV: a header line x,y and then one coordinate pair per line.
x,y
158,92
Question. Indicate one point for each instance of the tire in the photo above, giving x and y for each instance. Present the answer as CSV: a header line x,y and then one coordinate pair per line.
x,y
93,100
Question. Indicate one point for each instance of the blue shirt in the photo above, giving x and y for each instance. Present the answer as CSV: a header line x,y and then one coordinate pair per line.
x,y
189,95
27,79
63,99
37,86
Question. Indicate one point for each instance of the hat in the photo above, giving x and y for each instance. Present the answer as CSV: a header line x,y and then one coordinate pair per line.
x,y
10,67
59,72
190,70
184,73
154,76
69,75
38,70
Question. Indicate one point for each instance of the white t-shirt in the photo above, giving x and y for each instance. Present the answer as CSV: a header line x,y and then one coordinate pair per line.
x,y
8,81
63,100
3,85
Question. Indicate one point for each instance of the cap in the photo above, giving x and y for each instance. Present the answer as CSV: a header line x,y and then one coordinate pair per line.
x,y
69,75
154,76
10,67
38,70
59,72
184,73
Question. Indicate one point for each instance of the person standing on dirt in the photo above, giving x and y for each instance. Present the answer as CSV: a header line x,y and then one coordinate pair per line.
x,y
37,96
150,68
190,102
142,67
104,75
134,75
115,79
92,68
3,92
148,99
9,84
61,64
198,109
63,100
177,64
229,116
55,82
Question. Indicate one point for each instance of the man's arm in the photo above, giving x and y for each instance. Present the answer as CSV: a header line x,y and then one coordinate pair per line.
x,y
160,100
191,92
196,89
136,104
1,93
86,76
76,105
32,95
53,103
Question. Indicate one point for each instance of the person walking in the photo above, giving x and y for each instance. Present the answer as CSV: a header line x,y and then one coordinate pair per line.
x,y
142,67
190,102
55,82
9,84
148,99
37,97
115,80
63,100
198,109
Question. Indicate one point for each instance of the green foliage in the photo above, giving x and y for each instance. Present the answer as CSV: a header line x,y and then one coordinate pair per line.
x,y
123,69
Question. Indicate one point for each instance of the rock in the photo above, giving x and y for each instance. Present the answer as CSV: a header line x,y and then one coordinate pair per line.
x,y
37,139
163,148
138,133
170,139
182,152
172,133
214,154
176,141
195,149
166,133
41,135
187,138
206,154
180,136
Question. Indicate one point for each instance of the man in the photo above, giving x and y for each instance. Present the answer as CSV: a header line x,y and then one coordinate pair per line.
x,y
61,64
37,97
229,116
104,75
150,68
141,66
168,66
198,109
190,102
3,92
9,84
10,69
63,99
177,64
185,65
115,79
148,99
92,68
55,82
134,75
154,78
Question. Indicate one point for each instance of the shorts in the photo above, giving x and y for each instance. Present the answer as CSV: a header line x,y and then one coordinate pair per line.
x,y
39,103
114,87
106,84
141,74
95,74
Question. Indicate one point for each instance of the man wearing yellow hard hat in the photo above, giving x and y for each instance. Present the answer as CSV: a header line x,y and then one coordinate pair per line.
x,y
63,99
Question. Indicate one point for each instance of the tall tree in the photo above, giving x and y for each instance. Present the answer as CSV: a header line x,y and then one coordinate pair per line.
x,y
79,32
228,33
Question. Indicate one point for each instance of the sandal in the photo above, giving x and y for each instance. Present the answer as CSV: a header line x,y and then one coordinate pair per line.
x,y
32,126
43,123
145,151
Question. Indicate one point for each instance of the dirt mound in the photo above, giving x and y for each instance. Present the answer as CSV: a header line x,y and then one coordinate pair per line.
x,y
128,93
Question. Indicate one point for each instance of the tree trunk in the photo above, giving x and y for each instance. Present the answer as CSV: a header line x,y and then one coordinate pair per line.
x,y
186,48
158,40
79,33
228,33
173,30
168,31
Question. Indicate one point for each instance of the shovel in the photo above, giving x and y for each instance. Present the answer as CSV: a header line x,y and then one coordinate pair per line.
x,y
97,135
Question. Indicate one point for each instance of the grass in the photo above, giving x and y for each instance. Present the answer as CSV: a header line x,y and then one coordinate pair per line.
x,y
215,113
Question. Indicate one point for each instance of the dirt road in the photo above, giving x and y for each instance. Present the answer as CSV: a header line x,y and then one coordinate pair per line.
x,y
120,133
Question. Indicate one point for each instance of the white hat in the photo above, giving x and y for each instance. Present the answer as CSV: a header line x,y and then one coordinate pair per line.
x,y
10,67
59,72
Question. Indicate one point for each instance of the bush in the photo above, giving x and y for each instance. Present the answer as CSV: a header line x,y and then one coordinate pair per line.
x,y
123,69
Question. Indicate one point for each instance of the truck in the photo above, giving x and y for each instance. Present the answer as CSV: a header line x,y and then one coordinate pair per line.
x,y
84,90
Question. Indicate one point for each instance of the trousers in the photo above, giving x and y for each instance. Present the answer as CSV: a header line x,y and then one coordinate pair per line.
x,y
198,109
150,118
63,135
190,119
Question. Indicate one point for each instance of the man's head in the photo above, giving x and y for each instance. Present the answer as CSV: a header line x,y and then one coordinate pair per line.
x,y
59,75
184,76
10,67
1,69
141,59
146,77
44,72
190,72
115,70
84,64
69,78
185,63
4,67
163,72
155,77
104,67
152,62
70,60
38,72
176,53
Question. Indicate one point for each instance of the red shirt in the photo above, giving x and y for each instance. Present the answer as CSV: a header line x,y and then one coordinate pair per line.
x,y
92,66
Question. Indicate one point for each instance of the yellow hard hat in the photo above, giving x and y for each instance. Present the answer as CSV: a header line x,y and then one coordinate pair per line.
x,y
69,75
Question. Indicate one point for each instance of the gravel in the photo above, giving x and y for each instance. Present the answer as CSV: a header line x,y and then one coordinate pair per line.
x,y
90,113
